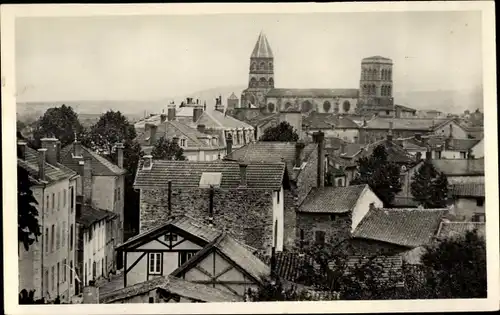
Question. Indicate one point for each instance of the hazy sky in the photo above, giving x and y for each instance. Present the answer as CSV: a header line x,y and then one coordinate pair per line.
x,y
151,57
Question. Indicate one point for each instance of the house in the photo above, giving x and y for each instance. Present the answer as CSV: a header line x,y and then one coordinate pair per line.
x,y
449,230
439,146
225,264
468,200
334,126
48,266
244,198
95,248
477,150
168,289
461,171
331,214
404,111
101,185
389,232
433,114
196,144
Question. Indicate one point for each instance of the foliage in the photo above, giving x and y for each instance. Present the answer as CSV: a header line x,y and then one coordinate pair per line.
x,y
59,122
430,187
164,149
20,125
111,128
283,132
28,228
380,174
456,268
275,290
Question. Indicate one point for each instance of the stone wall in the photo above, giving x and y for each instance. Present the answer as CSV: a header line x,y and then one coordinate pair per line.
x,y
245,214
307,178
337,227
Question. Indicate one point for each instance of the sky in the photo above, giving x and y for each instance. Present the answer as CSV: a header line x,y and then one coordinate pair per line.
x,y
155,57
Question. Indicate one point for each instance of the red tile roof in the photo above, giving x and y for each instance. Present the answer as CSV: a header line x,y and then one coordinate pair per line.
x,y
187,174
404,227
468,190
332,199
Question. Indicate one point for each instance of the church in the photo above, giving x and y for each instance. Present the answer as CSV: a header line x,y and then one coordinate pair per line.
x,y
374,95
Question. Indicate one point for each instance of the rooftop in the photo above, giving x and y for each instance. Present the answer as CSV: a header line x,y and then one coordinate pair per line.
x,y
457,229
187,174
53,173
460,167
349,93
89,215
101,166
468,190
262,48
217,120
332,199
404,227
417,124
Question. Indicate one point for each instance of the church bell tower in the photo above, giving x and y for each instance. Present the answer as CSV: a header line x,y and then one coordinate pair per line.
x,y
261,74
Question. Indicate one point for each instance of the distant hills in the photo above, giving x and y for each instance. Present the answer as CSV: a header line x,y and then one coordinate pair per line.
x,y
450,101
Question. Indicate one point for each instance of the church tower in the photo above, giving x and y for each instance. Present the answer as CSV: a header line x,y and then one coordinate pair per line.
x,y
375,84
261,74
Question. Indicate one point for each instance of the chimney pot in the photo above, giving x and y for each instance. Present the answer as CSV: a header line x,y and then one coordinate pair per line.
x,y
299,146
243,174
119,151
51,145
21,150
201,128
148,162
229,143
41,163
171,112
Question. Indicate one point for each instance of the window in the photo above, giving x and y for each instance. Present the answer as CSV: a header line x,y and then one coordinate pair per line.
x,y
118,195
48,203
463,155
46,281
58,200
327,106
52,278
170,237
151,299
155,263
270,107
64,270
53,201
71,198
47,240
85,275
64,198
52,232
71,272
58,273
480,202
102,266
346,106
185,256
183,142
71,238
58,237
90,233
320,237
278,197
478,217
438,154
301,234
333,217
63,241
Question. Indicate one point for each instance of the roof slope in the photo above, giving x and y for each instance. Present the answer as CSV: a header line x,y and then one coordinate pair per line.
x,y
100,165
418,124
349,93
262,48
404,227
52,172
458,229
395,152
332,199
183,288
90,215
217,120
328,121
468,190
460,167
187,174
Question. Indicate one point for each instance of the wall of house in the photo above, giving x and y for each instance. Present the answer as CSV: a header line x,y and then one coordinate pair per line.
x,y
336,228
466,208
478,149
289,218
307,178
103,192
94,251
363,206
278,216
465,179
457,131
246,214
447,154
55,212
367,135
138,273
349,135
406,180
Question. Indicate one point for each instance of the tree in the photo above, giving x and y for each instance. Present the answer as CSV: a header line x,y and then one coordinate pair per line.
x,y
28,228
59,122
456,267
165,149
275,290
111,128
430,187
380,174
20,125
283,132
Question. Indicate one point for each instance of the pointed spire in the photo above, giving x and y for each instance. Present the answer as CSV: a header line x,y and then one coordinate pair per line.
x,y
262,48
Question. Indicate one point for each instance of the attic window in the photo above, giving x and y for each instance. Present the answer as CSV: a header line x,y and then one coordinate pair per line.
x,y
208,180
301,166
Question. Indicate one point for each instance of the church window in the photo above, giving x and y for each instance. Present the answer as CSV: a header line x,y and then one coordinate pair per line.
x,y
271,82
365,89
270,107
253,66
390,75
346,106
288,105
375,74
306,106
373,89
263,82
327,106
270,66
253,82
389,92
384,89
262,66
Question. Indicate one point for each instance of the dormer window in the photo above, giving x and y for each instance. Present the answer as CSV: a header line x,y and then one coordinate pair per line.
x,y
183,143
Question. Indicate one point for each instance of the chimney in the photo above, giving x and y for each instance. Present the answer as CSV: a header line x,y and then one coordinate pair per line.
x,y
163,118
243,174
21,150
152,133
51,145
201,128
211,206
87,180
148,162
119,152
41,163
319,138
229,144
171,112
372,206
77,148
342,147
197,111
451,131
428,154
299,146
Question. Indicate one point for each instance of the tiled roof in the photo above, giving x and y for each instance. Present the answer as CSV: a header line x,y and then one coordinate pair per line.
x,y
391,267
332,199
90,215
352,149
349,93
376,58
457,229
177,286
100,165
289,265
421,124
404,227
53,173
405,108
272,152
183,222
187,174
232,96
217,120
467,190
234,251
460,167
395,153
439,142
328,121
262,48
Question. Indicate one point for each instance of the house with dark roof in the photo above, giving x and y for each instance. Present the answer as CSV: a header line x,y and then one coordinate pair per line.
x,y
101,186
247,199
439,146
461,171
334,126
331,214
47,267
404,111
403,232
468,201
449,229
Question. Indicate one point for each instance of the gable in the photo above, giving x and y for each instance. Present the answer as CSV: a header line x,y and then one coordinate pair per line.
x,y
171,241
215,268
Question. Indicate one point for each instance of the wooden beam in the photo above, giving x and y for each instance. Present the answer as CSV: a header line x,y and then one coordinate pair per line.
x,y
135,262
225,270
